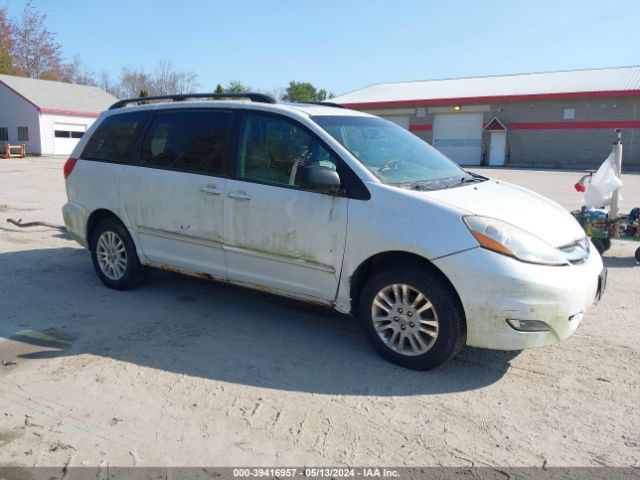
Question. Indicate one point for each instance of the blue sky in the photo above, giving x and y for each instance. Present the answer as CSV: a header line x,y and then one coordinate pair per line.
x,y
342,45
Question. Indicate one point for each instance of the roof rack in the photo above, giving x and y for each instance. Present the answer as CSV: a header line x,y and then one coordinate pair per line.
x,y
326,104
254,97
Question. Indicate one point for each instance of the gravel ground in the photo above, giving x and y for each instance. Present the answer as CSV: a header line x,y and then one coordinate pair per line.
x,y
185,372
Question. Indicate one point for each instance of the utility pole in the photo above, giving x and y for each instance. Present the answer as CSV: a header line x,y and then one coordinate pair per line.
x,y
617,151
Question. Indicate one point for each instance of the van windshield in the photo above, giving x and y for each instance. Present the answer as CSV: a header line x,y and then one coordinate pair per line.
x,y
395,155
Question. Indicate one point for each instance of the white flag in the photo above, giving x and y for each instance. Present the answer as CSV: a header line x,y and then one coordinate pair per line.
x,y
604,182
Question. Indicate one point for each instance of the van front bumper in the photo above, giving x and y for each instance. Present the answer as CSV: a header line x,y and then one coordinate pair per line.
x,y
503,297
75,220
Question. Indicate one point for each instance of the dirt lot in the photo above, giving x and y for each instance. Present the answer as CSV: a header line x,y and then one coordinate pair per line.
x,y
185,372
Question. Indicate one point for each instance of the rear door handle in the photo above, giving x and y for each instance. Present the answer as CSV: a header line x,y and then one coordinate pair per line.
x,y
238,196
210,190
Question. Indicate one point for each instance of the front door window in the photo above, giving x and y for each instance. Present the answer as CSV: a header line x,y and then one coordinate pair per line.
x,y
274,150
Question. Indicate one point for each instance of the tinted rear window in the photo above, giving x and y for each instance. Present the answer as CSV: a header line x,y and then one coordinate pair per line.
x,y
192,141
115,137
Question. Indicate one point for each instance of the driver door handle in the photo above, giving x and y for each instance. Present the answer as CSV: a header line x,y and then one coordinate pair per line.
x,y
210,190
239,196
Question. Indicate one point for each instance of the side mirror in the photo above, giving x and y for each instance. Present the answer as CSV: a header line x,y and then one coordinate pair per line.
x,y
319,178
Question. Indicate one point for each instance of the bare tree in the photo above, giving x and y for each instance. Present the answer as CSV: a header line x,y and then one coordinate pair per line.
x,y
167,80
77,72
36,53
276,93
105,83
132,81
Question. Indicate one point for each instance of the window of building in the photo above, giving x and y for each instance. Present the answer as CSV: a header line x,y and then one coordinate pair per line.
x,y
274,150
192,141
67,134
4,134
114,139
569,114
23,134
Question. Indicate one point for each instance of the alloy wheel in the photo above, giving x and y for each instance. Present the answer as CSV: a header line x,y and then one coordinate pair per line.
x,y
404,319
112,255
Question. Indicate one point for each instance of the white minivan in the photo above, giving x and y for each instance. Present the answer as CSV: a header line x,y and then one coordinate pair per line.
x,y
331,206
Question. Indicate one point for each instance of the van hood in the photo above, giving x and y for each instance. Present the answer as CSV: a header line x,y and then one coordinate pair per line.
x,y
515,205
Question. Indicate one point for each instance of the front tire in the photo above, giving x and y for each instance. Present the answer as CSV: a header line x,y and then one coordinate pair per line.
x,y
114,256
412,317
599,244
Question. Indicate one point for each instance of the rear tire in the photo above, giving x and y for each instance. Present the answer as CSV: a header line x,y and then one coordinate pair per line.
x,y
638,254
412,317
114,256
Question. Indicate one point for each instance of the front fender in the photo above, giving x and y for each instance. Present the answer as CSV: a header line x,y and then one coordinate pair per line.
x,y
399,220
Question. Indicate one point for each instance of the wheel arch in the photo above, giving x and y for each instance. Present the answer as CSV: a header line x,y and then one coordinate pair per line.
x,y
383,259
95,218
134,271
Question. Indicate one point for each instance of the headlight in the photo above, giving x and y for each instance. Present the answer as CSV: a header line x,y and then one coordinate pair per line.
x,y
508,240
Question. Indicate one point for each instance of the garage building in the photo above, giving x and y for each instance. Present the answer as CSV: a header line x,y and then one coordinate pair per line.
x,y
554,119
47,117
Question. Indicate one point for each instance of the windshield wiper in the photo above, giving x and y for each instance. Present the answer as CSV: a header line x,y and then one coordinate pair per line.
x,y
438,183
476,175
470,180
466,180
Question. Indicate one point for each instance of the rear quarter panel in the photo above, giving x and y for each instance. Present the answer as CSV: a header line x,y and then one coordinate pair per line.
x,y
95,185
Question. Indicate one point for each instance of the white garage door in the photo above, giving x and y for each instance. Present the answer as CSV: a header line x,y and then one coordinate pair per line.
x,y
402,120
66,136
459,136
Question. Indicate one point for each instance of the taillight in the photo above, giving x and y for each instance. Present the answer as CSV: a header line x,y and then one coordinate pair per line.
x,y
68,167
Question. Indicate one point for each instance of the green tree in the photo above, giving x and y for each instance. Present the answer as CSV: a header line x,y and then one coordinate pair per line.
x,y
144,94
304,92
6,66
236,86
6,43
219,89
